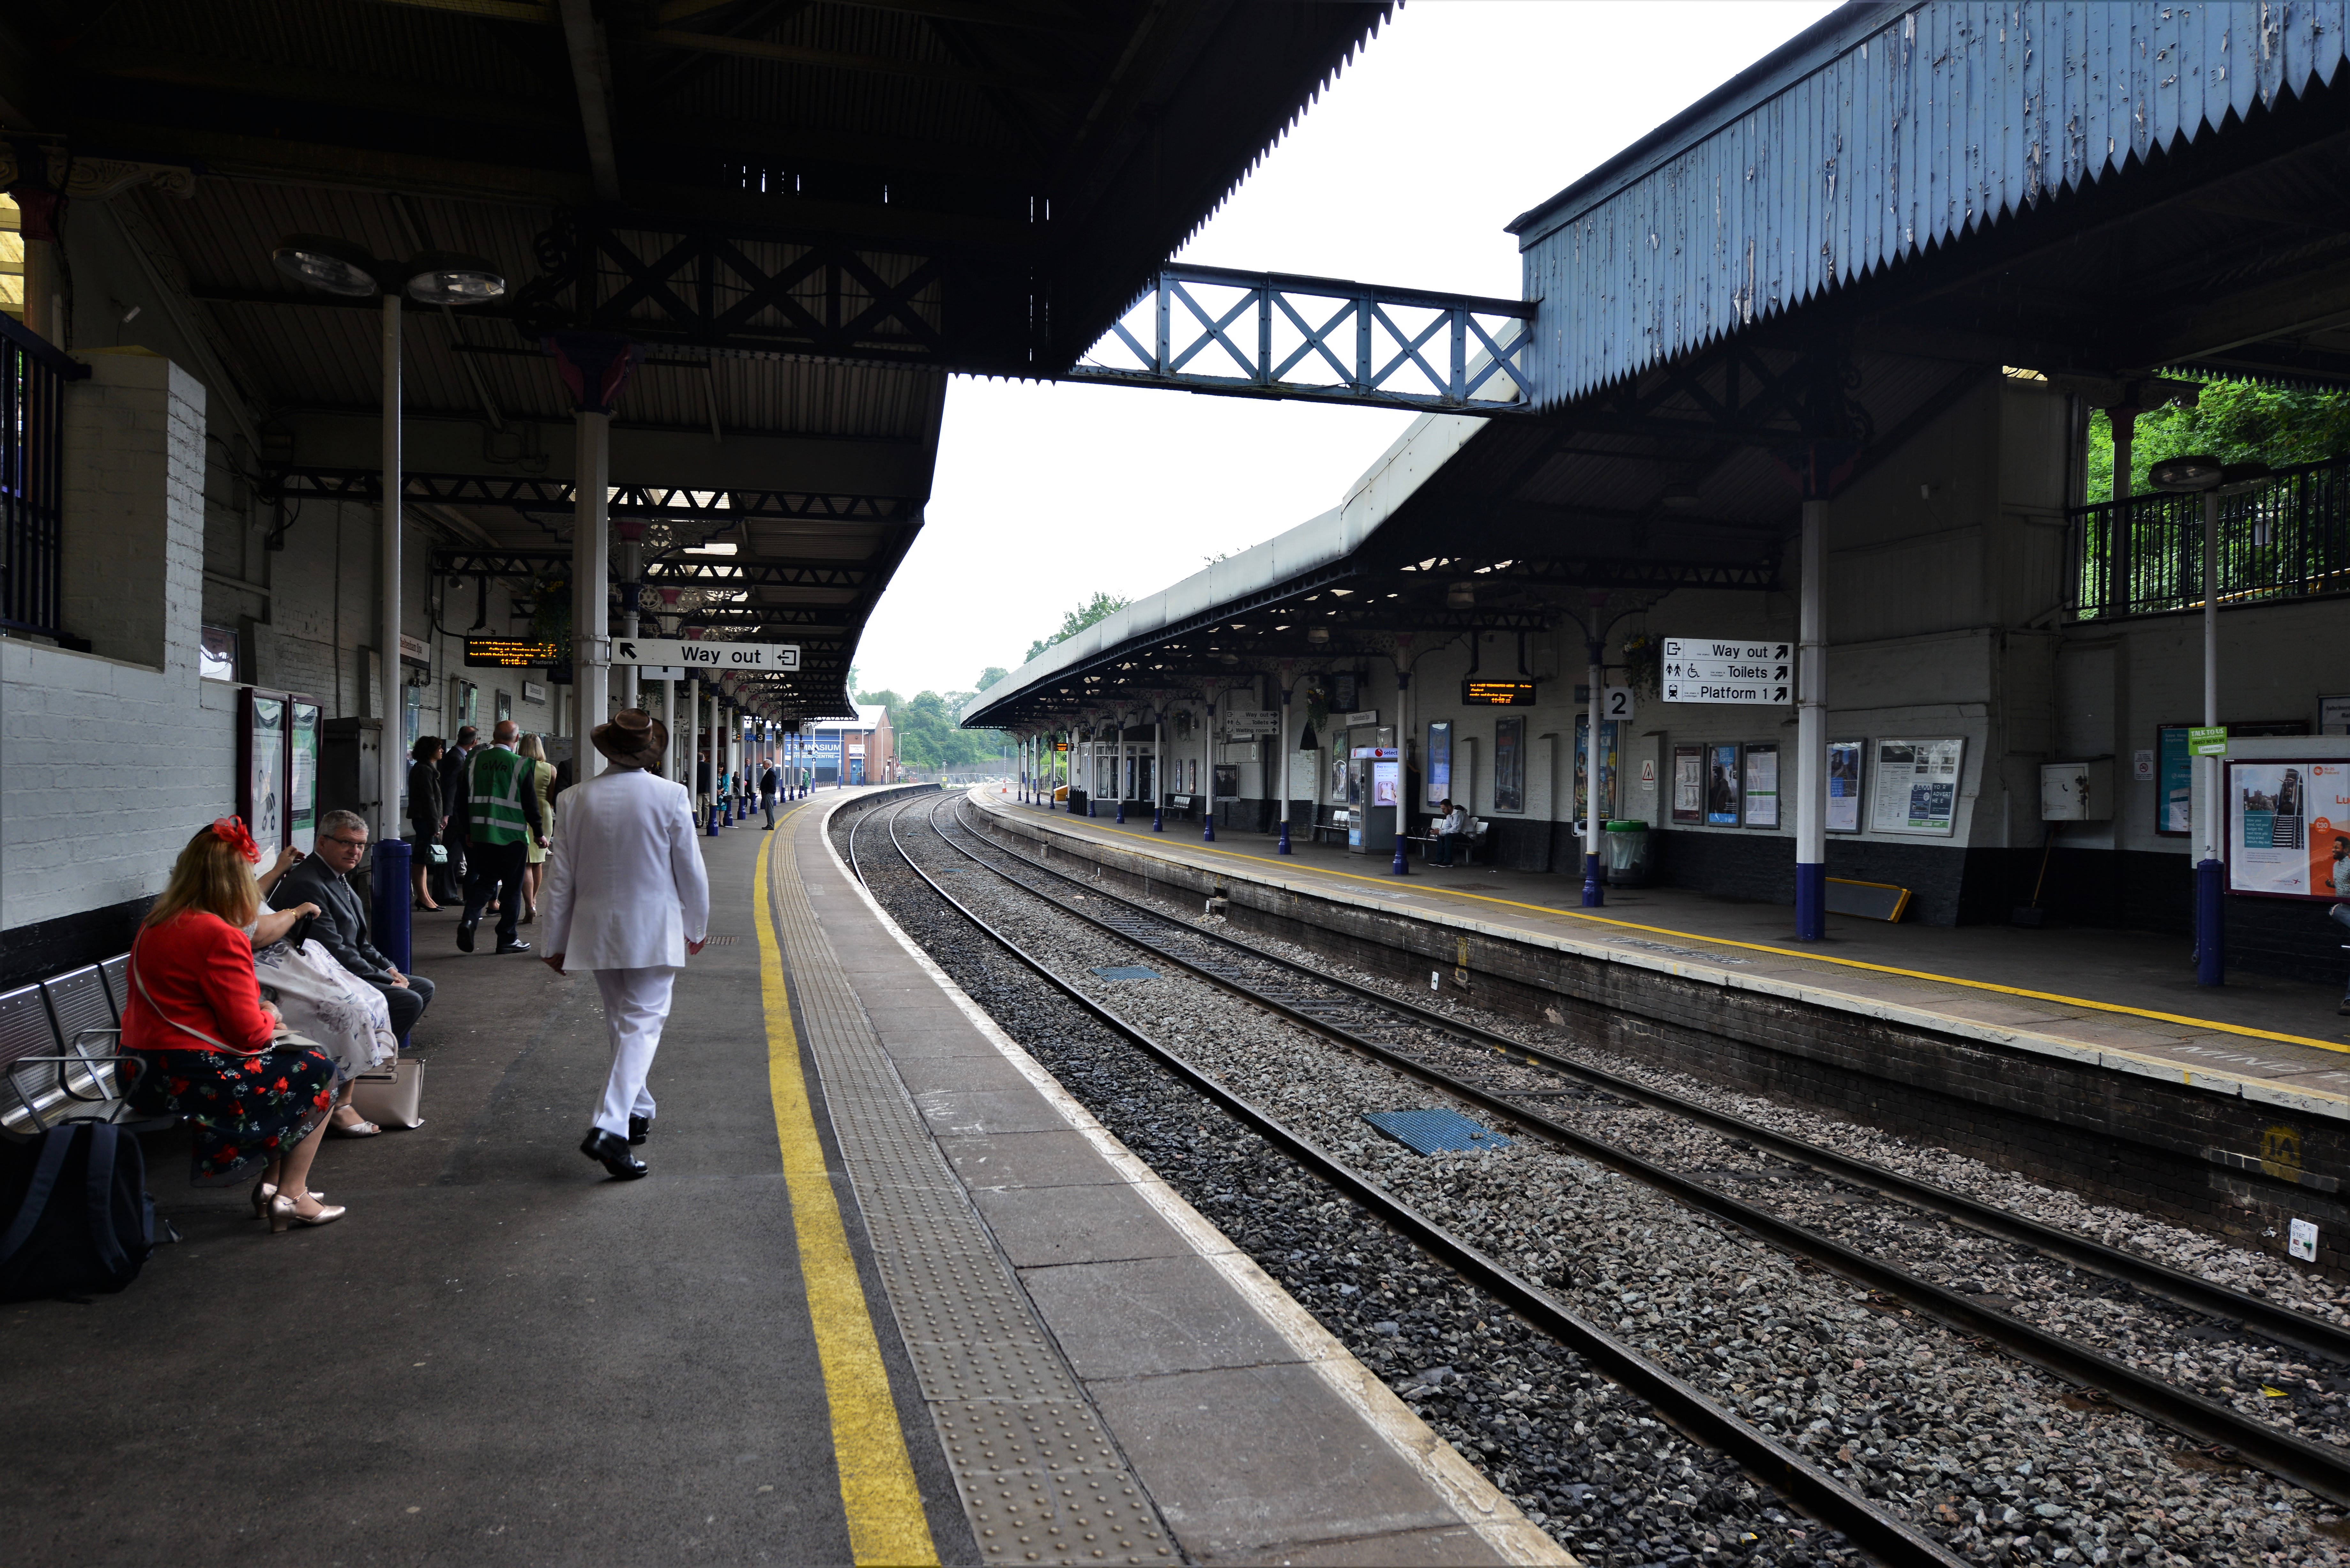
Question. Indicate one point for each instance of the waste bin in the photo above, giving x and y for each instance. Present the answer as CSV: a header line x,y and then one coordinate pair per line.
x,y
1624,850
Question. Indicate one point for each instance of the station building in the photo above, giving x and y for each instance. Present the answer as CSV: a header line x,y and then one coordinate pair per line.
x,y
840,751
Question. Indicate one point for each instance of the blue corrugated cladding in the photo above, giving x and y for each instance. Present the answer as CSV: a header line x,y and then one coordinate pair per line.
x,y
1953,116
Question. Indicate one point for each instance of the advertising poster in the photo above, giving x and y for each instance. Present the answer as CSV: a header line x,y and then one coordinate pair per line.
x,y
1301,775
1385,783
1440,761
1338,795
1509,764
1722,787
1917,788
2174,782
1689,785
263,804
302,812
1762,786
1610,785
1843,785
2289,828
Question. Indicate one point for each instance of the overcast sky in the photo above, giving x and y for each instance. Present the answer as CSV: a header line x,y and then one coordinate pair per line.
x,y
1460,116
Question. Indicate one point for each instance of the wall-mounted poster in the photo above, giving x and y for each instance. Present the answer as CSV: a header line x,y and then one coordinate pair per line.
x,y
1387,782
1722,787
1440,761
1509,764
1843,785
1917,788
1610,752
1762,785
261,772
2174,768
1689,785
302,785
1302,772
1338,795
2289,828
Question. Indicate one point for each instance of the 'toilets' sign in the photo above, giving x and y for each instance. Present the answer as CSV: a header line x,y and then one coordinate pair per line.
x,y
1703,670
694,656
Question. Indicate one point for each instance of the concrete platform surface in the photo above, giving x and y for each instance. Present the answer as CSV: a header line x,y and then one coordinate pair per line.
x,y
2123,999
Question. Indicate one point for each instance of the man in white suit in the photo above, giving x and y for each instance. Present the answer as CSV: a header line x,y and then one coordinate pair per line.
x,y
626,896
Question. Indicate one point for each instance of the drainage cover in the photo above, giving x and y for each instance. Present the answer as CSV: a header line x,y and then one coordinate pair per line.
x,y
1435,1132
1128,972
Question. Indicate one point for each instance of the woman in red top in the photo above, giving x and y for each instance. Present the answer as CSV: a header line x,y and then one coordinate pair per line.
x,y
197,1024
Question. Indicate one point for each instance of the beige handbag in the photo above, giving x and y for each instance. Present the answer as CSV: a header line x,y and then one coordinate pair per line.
x,y
391,1097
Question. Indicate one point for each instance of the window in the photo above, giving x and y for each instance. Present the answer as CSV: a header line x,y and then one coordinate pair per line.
x,y
1509,764
217,655
12,264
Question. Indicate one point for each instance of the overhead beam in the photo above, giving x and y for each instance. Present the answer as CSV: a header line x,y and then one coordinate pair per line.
x,y
590,74
832,60
556,497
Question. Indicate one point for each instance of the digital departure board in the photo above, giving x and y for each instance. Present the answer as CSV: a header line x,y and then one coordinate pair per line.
x,y
1497,693
509,653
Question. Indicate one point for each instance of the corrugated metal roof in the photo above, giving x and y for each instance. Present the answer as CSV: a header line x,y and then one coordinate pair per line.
x,y
1879,133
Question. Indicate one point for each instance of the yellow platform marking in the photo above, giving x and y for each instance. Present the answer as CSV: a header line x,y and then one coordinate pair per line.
x,y
886,1523
2210,1024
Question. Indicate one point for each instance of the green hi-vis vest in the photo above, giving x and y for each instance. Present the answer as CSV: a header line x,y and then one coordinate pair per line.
x,y
494,782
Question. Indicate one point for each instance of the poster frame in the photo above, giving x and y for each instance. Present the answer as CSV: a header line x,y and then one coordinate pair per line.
x,y
2168,755
1958,785
1747,794
2228,831
251,699
1611,768
1694,817
302,826
1440,761
1859,797
1724,754
1509,767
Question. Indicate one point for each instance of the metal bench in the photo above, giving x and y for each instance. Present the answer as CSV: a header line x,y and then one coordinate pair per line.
x,y
60,1046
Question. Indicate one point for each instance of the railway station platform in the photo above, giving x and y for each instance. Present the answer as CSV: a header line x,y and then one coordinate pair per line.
x,y
888,1295
1995,1040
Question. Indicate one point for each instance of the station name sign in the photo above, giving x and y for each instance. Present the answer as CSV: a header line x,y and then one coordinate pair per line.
x,y
511,653
1497,693
682,654
1723,669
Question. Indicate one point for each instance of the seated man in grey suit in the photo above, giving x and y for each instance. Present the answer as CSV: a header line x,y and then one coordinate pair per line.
x,y
341,927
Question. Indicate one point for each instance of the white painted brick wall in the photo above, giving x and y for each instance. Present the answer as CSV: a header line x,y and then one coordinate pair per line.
x,y
108,765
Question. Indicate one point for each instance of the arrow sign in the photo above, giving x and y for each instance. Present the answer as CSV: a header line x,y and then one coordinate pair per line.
x,y
696,657
1727,669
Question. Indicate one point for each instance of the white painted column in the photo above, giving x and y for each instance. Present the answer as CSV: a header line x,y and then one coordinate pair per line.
x,y
632,588
591,641
390,760
1811,732
692,738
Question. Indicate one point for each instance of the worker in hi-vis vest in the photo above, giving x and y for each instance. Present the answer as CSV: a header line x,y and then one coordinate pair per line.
x,y
497,814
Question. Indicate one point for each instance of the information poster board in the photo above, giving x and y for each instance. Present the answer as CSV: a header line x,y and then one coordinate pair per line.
x,y
1844,784
1722,785
1509,764
2289,828
302,786
2174,768
1917,788
1303,774
1440,761
261,778
1762,785
1689,786
1611,782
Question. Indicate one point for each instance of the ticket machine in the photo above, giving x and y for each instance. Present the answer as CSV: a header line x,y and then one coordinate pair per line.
x,y
1374,776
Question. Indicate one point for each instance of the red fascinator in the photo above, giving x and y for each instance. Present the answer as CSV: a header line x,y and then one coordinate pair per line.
x,y
232,831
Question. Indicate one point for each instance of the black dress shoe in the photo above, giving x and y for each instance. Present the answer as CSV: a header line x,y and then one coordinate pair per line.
x,y
513,947
640,1128
612,1153
465,934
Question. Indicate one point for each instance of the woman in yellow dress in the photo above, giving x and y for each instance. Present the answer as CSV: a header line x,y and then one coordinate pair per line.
x,y
542,779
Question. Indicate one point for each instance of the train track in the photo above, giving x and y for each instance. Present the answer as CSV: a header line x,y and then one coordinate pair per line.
x,y
1369,1020
1805,1485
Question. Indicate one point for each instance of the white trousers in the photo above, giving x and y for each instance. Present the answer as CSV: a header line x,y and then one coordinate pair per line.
x,y
635,1005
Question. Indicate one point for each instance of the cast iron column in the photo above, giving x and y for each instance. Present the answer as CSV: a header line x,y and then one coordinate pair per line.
x,y
2210,917
1594,882
1811,732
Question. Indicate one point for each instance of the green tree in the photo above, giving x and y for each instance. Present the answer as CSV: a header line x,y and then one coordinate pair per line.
x,y
1101,607
992,676
2231,420
925,726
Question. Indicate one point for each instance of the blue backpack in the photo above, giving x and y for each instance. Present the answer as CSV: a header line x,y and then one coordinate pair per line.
x,y
79,1221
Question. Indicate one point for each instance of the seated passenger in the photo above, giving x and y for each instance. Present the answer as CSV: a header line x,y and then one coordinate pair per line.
x,y
195,1024
342,924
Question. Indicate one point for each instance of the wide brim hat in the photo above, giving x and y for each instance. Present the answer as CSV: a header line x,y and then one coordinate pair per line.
x,y
633,738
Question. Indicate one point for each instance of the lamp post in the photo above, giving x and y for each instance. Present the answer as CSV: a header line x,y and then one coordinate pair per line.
x,y
430,277
2212,479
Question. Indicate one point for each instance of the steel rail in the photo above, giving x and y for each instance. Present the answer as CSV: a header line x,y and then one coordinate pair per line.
x,y
1796,1478
2176,1286
2319,1468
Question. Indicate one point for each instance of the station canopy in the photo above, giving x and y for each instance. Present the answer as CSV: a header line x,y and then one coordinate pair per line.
x,y
1776,288
806,214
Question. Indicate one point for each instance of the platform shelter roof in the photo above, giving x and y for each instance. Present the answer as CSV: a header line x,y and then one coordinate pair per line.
x,y
808,215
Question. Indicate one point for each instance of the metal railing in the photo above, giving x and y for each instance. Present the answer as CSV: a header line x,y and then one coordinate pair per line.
x,y
33,374
2287,539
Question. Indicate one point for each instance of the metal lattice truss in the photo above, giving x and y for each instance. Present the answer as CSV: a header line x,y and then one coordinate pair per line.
x,y
557,497
712,576
1270,335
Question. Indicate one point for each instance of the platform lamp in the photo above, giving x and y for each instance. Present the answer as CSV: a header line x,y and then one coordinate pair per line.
x,y
432,277
2212,479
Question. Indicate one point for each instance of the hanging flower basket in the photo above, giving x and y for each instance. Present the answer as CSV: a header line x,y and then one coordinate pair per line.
x,y
1644,663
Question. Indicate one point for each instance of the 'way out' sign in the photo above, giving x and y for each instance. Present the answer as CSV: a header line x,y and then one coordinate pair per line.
x,y
1703,670
694,656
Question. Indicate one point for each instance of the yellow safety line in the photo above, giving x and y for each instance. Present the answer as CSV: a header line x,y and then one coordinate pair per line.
x,y
886,1523
2211,1023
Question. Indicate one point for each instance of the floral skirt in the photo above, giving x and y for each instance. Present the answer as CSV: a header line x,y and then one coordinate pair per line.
x,y
246,1111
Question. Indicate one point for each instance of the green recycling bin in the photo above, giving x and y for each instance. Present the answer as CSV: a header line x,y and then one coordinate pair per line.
x,y
1625,855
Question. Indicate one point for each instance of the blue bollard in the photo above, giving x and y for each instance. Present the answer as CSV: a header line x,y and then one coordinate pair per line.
x,y
1402,866
390,926
1208,825
1595,886
1282,847
1158,817
711,825
2211,923
1121,809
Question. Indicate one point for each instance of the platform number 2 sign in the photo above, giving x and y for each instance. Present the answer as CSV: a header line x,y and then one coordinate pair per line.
x,y
1615,705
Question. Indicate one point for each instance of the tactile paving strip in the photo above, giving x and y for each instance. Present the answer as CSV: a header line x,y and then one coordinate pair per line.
x,y
1039,1478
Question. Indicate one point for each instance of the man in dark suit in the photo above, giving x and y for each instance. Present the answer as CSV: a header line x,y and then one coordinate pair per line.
x,y
341,927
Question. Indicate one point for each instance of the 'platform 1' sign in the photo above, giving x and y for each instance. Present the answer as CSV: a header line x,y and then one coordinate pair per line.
x,y
723,656
1704,669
